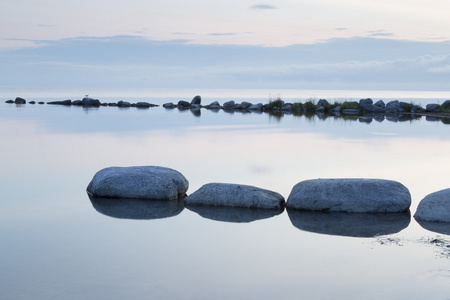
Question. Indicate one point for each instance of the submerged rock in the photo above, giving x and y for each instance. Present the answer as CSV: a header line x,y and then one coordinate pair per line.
x,y
434,207
146,182
235,195
350,195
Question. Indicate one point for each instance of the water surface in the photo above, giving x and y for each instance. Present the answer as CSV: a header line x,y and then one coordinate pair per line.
x,y
58,244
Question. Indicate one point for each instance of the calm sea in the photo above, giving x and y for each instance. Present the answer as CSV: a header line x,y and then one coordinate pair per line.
x,y
58,244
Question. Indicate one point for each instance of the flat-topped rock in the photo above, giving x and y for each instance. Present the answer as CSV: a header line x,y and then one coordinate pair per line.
x,y
235,195
350,195
435,207
144,182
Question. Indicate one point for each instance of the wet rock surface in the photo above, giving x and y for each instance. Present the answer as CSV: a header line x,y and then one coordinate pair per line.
x,y
235,195
350,195
434,207
144,182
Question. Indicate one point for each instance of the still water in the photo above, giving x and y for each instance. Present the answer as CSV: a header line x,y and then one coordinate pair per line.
x,y
57,244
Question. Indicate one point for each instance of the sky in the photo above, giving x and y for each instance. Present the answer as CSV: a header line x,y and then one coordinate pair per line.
x,y
298,44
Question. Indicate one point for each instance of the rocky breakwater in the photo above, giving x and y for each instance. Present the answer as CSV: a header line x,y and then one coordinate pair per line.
x,y
350,195
85,102
141,182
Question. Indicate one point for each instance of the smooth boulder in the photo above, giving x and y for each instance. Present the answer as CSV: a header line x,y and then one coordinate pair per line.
x,y
434,207
350,195
144,182
235,195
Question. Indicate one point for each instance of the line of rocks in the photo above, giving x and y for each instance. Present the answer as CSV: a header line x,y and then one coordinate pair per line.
x,y
364,106
349,207
86,102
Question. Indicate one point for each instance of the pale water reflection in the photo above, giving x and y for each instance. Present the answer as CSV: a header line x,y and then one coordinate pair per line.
x,y
56,245
137,209
349,224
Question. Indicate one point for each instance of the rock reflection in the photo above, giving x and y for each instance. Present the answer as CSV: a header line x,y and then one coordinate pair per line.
x,y
234,214
138,209
438,227
349,224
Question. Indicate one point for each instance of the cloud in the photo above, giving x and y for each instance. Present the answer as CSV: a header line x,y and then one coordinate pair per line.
x,y
222,33
263,7
380,33
341,29
130,61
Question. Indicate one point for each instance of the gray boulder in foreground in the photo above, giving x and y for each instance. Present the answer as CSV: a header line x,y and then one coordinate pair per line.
x,y
435,207
144,182
350,195
235,195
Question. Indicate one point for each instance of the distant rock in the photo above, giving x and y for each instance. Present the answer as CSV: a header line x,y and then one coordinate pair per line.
x,y
123,104
323,102
372,108
32,102
169,105
77,103
256,107
380,103
229,105
87,102
197,100
393,107
435,207
183,104
367,101
235,195
432,107
144,182
214,106
9,101
144,105
63,102
350,195
41,102
20,101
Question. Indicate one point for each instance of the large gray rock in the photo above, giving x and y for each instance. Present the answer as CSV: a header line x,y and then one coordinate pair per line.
x,y
434,207
235,195
350,195
145,182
